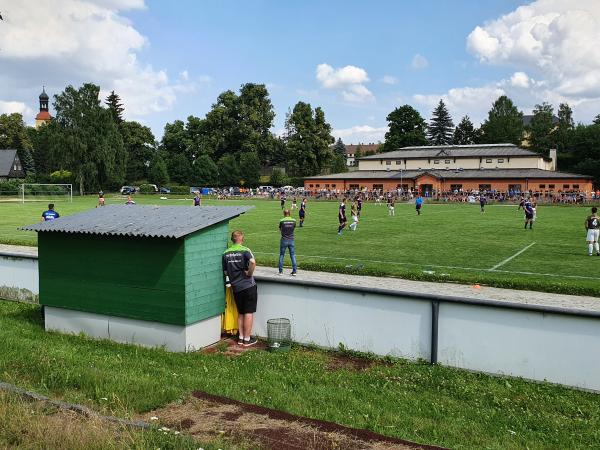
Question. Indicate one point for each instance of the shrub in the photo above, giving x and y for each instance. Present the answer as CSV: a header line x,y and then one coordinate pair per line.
x,y
61,176
147,189
179,190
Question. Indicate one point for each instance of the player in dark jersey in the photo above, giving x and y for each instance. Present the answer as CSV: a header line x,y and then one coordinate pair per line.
x,y
50,214
282,201
342,216
302,212
528,208
197,199
482,202
521,204
359,202
592,225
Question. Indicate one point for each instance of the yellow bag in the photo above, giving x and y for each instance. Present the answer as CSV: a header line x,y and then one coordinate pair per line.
x,y
230,316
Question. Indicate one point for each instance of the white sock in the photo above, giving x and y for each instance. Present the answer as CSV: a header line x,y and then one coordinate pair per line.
x,y
597,247
247,338
590,248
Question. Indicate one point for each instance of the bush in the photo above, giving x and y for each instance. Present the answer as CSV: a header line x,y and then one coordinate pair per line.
x,y
147,189
10,187
61,176
180,190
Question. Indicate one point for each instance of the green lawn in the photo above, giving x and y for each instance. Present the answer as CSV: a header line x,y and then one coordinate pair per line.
x,y
419,402
447,242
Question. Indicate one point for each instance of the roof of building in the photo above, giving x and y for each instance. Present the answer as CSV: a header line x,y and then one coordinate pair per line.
x,y
455,151
43,115
371,147
141,220
528,117
449,174
7,158
43,95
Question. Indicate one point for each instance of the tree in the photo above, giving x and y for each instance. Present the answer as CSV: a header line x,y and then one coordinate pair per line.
x,y
441,126
339,148
540,130
113,101
566,125
140,147
14,135
406,128
278,178
358,153
229,171
596,120
180,169
465,133
338,164
158,171
87,141
250,169
205,172
504,123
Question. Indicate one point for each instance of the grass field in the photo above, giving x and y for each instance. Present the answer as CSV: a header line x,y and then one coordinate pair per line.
x,y
448,242
419,402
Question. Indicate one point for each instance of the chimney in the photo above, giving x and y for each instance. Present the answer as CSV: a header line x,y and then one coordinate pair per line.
x,y
553,159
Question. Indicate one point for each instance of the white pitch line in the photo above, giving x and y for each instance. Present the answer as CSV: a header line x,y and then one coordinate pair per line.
x,y
510,258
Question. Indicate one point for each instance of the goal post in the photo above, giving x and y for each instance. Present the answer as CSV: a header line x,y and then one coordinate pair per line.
x,y
40,192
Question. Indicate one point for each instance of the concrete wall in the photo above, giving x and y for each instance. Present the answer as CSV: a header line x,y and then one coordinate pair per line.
x,y
19,278
503,162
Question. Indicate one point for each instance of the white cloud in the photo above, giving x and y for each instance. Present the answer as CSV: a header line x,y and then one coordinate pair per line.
x,y
349,79
388,79
60,42
15,107
184,75
472,101
419,62
361,133
556,38
520,79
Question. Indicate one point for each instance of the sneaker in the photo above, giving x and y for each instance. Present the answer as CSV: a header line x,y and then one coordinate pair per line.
x,y
294,274
249,342
280,273
240,341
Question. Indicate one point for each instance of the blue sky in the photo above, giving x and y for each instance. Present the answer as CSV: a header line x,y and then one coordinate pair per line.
x,y
358,60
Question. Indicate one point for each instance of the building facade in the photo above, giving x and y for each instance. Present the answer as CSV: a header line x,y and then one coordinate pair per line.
x,y
463,168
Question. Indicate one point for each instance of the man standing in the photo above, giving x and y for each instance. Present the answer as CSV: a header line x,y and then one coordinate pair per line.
x,y
342,216
197,199
592,225
392,206
482,202
287,225
50,214
302,212
419,204
359,202
528,208
239,265
282,200
354,212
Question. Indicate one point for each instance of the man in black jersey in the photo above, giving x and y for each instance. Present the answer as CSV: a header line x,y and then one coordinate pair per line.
x,y
592,225
342,216
302,212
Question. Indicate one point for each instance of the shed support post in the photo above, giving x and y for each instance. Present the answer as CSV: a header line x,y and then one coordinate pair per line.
x,y
435,310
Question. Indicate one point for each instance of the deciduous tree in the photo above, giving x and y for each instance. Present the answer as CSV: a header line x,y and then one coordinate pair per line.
x,y
504,123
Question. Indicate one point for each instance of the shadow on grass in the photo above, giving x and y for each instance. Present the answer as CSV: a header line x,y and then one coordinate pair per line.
x,y
31,314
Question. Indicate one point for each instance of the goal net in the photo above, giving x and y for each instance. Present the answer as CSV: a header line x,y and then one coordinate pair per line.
x,y
37,192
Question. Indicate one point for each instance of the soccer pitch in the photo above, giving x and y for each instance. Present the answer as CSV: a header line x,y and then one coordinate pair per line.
x,y
447,242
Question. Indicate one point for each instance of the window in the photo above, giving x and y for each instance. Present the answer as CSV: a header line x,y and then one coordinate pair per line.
x,y
455,187
333,185
542,186
485,187
488,160
500,160
551,186
447,161
310,185
565,186
318,185
575,186
514,187
436,161
381,161
404,187
388,163
378,187
352,186
398,163
326,185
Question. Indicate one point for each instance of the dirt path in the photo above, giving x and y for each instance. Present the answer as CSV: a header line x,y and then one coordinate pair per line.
x,y
207,416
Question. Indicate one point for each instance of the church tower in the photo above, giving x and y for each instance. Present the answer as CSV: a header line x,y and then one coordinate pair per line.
x,y
43,116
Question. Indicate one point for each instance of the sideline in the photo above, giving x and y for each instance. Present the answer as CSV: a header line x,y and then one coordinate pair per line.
x,y
510,258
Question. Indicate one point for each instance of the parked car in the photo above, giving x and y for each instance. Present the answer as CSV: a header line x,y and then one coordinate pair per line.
x,y
164,190
287,188
128,190
195,189
265,188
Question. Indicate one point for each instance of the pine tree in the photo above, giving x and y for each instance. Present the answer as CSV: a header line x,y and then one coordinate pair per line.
x,y
561,135
465,133
441,126
158,171
596,120
340,147
113,101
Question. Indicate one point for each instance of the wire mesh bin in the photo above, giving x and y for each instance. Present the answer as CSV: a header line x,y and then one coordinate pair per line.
x,y
279,335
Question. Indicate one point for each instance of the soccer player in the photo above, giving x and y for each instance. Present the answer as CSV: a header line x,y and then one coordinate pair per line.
x,y
129,201
592,225
50,214
101,200
521,203
302,212
287,225
359,204
282,201
482,202
294,203
354,214
342,216
197,199
391,206
534,207
239,265
418,204
528,208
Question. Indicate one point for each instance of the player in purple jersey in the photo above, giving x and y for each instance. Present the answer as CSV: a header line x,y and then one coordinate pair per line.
x,y
342,216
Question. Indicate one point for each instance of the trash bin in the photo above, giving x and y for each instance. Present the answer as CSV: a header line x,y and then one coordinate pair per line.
x,y
279,335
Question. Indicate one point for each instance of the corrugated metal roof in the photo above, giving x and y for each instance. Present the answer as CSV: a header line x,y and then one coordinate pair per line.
x,y
141,220
458,174
454,151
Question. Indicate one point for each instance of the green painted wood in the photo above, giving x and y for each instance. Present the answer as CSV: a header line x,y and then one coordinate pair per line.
x,y
204,291
133,277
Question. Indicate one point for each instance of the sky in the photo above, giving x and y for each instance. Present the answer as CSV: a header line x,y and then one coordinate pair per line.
x,y
358,60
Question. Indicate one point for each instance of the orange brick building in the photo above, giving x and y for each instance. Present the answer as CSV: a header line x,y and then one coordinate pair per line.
x,y
439,169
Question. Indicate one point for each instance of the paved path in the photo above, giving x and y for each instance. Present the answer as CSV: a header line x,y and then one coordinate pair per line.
x,y
544,299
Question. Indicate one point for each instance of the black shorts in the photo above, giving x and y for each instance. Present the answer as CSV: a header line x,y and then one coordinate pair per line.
x,y
301,214
342,219
246,300
418,206
528,216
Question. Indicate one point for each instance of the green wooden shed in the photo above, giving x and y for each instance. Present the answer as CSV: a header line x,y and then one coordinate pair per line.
x,y
150,275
